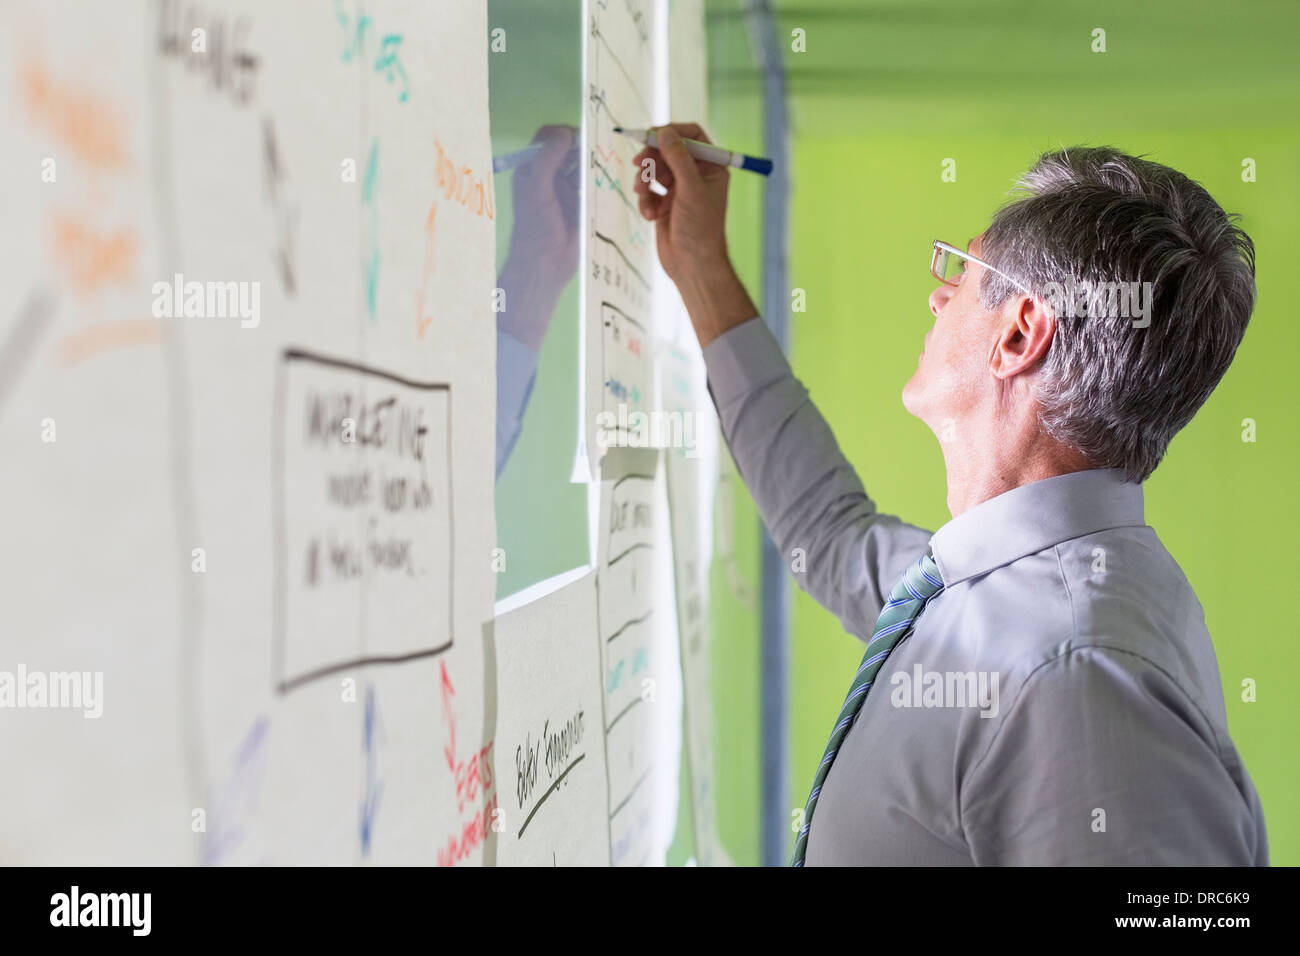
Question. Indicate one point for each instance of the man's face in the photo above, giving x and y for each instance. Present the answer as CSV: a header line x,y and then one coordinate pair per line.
x,y
952,374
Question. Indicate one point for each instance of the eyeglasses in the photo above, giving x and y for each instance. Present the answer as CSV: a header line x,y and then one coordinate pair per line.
x,y
948,263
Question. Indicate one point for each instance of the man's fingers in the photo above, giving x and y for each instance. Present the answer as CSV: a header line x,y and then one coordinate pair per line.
x,y
668,170
555,131
658,169
655,207
696,132
649,206
558,143
691,131
680,162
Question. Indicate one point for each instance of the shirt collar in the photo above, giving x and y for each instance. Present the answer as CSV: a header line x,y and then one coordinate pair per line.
x,y
1032,518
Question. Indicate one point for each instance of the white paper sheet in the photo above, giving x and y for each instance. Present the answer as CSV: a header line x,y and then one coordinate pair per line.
x,y
95,568
269,526
618,345
629,635
551,779
689,469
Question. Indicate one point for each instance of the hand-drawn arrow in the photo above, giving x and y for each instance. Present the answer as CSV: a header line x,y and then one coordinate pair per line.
x,y
449,718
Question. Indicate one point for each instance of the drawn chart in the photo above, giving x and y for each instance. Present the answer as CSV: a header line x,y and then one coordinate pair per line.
x,y
689,505
619,253
628,629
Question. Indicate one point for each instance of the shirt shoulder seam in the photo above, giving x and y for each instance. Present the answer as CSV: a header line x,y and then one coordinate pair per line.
x,y
1065,580
979,763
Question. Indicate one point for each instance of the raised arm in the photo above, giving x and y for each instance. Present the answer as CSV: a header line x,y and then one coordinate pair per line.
x,y
810,497
807,492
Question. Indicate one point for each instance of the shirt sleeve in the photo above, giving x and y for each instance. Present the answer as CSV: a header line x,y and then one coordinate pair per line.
x,y
1103,760
516,373
808,494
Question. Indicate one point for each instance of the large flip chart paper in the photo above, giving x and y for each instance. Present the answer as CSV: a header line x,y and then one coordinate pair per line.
x,y
259,313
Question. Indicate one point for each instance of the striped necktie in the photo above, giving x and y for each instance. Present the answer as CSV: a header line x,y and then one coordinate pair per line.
x,y
920,582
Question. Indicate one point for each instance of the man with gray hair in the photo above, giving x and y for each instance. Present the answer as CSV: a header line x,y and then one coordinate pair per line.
x,y
1072,340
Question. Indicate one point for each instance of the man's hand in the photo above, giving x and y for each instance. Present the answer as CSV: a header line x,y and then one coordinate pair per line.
x,y
545,191
543,250
690,230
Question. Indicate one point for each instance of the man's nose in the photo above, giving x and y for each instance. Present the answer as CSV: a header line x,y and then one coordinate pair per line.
x,y
940,296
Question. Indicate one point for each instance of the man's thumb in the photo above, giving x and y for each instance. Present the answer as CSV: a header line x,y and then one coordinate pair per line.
x,y
686,175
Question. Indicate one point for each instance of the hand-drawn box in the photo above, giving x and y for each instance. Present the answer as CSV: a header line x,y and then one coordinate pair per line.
x,y
363,508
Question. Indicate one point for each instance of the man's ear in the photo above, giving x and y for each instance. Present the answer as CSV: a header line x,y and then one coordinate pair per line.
x,y
1025,330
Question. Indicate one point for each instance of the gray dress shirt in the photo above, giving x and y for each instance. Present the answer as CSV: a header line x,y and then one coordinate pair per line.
x,y
1058,702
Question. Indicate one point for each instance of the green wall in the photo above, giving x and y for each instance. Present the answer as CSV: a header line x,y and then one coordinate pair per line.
x,y
886,92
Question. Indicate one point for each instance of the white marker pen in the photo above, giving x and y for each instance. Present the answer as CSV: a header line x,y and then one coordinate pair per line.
x,y
705,151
